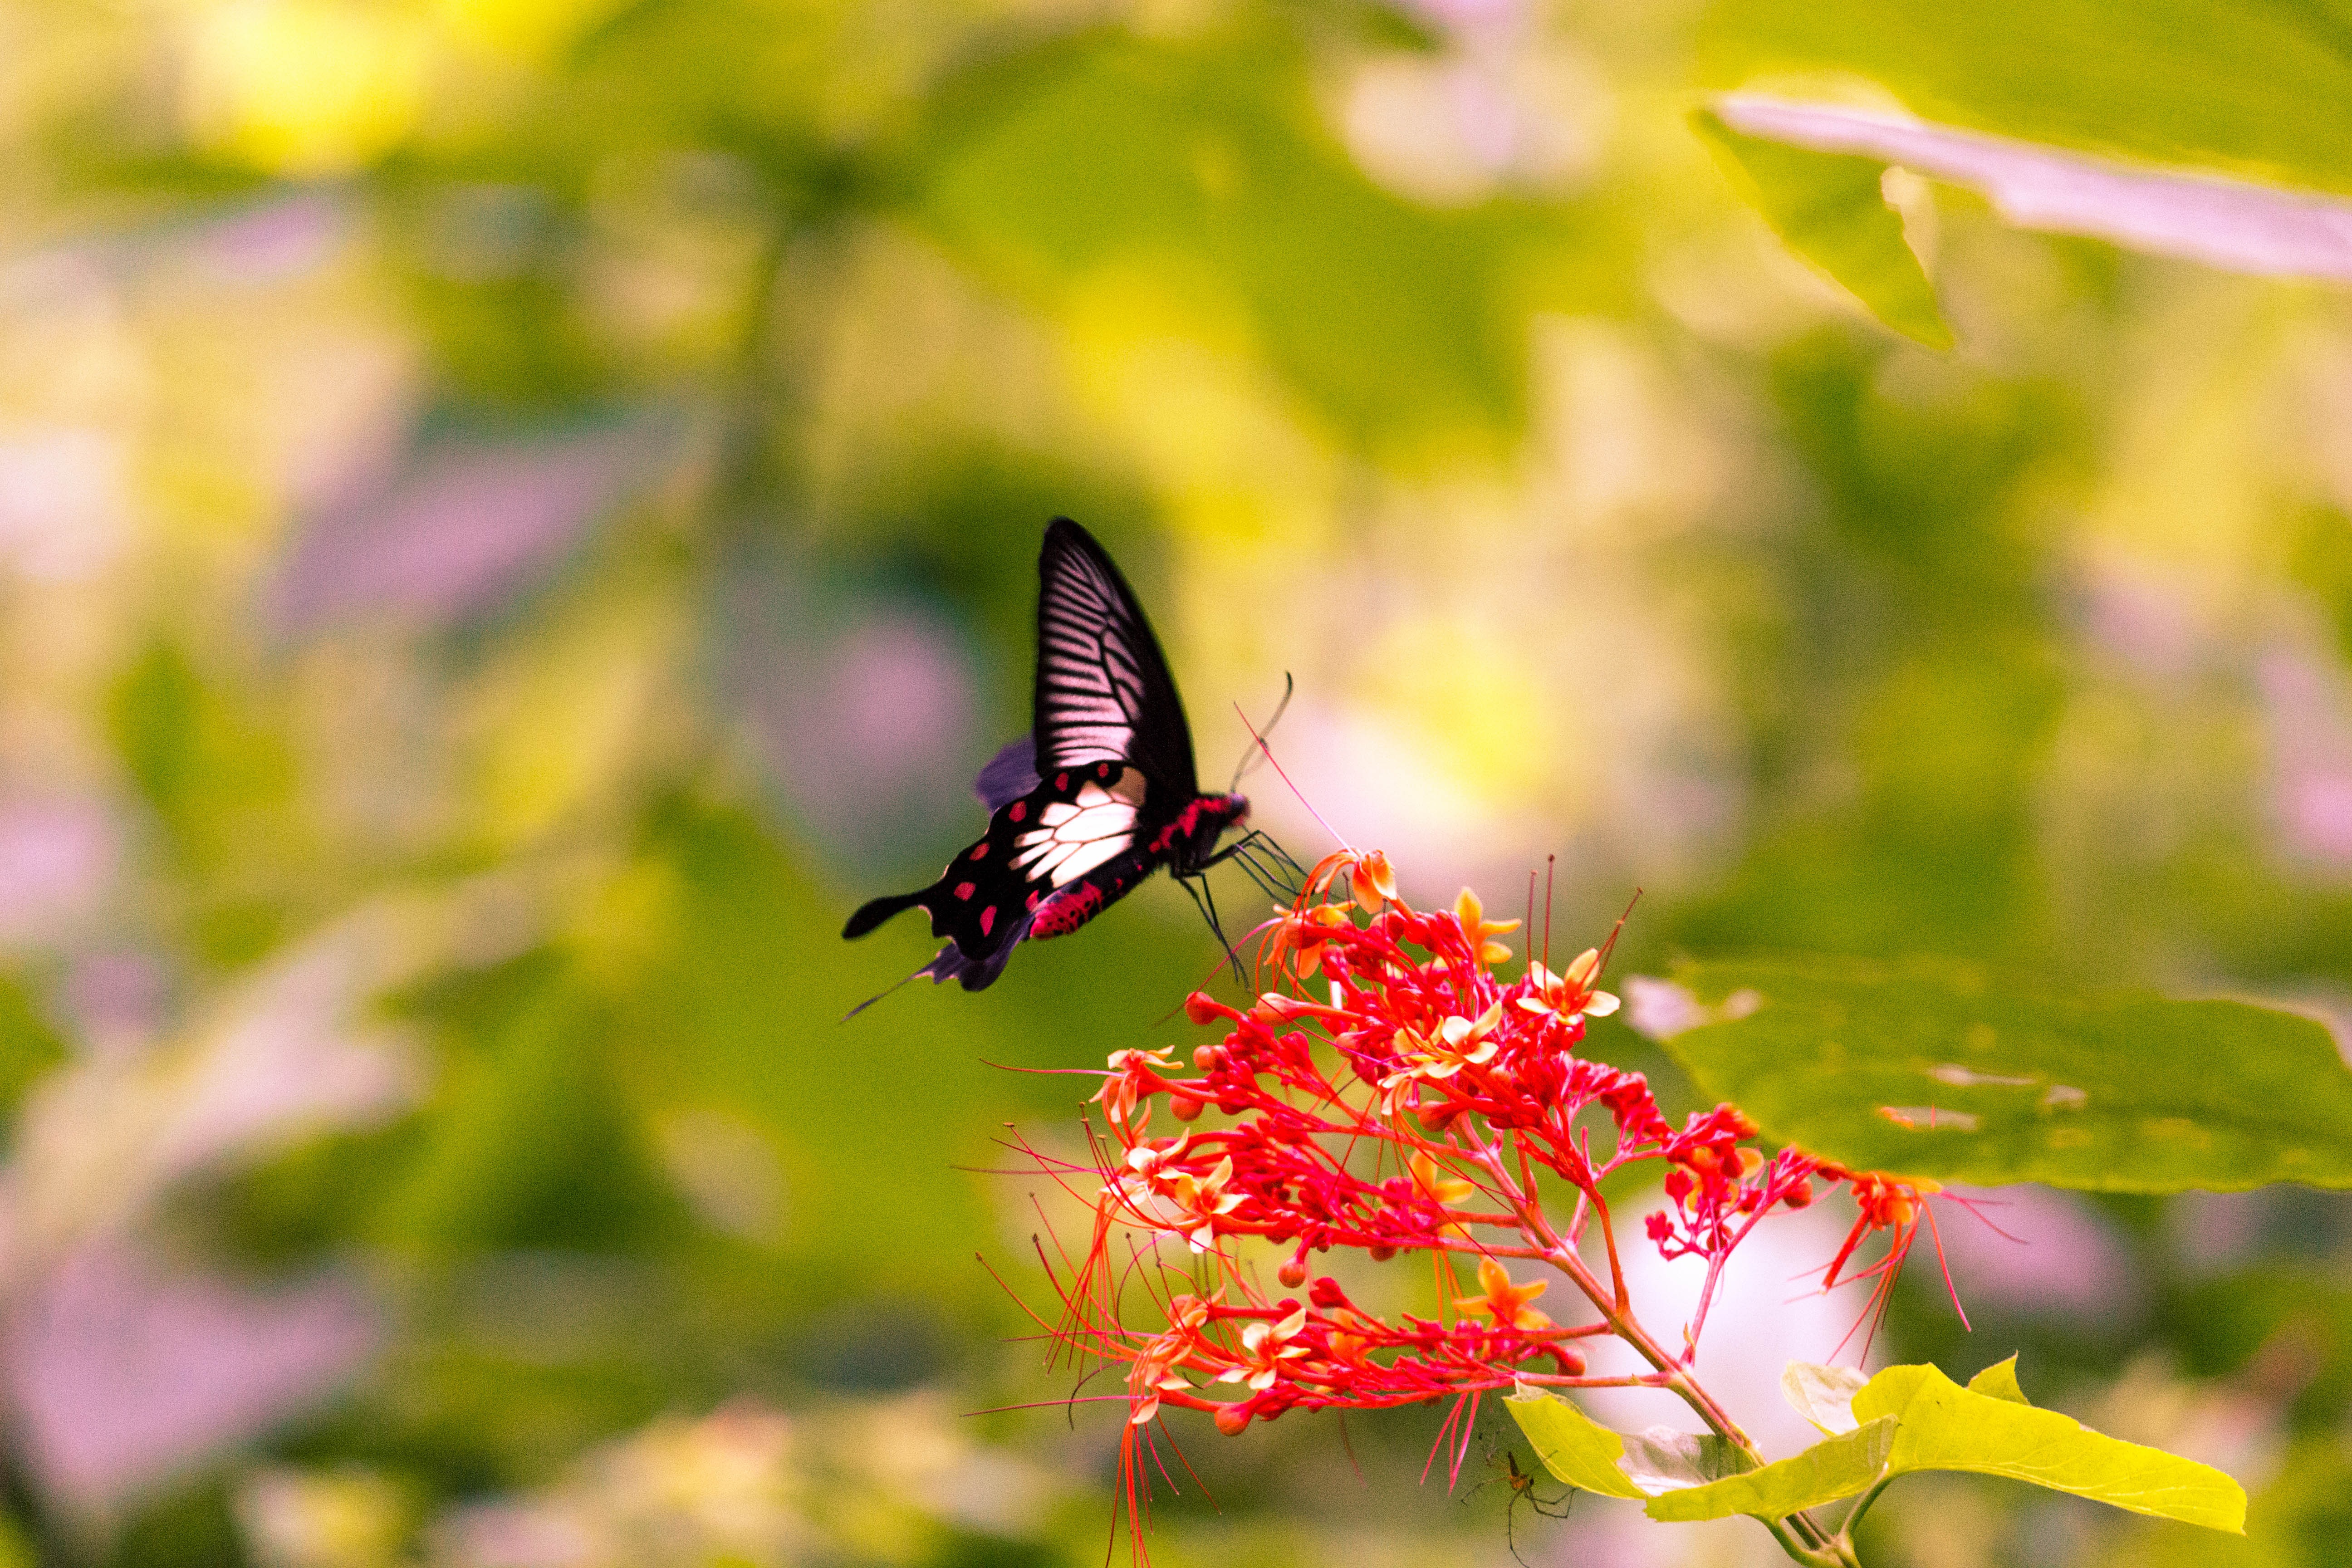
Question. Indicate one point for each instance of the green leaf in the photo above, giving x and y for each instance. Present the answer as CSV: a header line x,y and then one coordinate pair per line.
x,y
1573,1447
1891,1392
1823,1394
1946,1427
1935,1069
1193,180
1831,210
1999,1381
2244,86
1663,1459
1838,1466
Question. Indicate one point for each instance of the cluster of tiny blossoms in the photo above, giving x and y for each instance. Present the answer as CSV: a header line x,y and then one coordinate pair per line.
x,y
1396,1091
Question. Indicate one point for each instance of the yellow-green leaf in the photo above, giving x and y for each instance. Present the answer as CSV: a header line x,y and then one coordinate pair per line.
x,y
1823,1394
1835,1467
1946,1427
1573,1447
1830,209
1999,1381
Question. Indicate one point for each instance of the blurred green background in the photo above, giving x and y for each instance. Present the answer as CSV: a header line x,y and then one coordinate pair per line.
x,y
516,515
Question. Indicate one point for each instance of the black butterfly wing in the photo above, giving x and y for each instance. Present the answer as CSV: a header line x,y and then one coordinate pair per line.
x,y
1104,693
1066,833
1009,776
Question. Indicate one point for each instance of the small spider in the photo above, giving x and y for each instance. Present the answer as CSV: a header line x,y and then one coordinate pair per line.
x,y
1523,1489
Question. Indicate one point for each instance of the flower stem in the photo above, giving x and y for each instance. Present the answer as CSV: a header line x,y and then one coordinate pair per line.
x,y
1799,1535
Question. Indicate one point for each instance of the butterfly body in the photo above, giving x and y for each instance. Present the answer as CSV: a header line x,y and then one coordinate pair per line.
x,y
1103,795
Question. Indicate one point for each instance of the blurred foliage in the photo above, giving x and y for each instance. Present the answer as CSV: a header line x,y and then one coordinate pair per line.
x,y
516,515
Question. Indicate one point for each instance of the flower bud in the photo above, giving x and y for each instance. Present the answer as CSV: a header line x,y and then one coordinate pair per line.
x,y
1572,1362
1799,1196
1750,1161
1380,1253
1293,1272
1202,1008
1231,1418
1184,1107
1326,1293
1205,1057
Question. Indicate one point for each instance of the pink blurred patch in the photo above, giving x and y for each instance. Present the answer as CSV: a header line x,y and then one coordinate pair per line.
x,y
1660,1010
123,1376
119,999
870,728
57,857
465,529
516,1535
65,510
1768,1311
272,243
2317,808
2310,720
2065,1260
2212,1233
2142,617
297,1056
2226,223
1473,15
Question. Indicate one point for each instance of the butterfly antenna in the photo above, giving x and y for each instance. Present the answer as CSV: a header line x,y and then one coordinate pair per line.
x,y
1248,764
1259,737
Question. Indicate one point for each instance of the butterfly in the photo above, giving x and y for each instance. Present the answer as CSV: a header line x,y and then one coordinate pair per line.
x,y
1098,795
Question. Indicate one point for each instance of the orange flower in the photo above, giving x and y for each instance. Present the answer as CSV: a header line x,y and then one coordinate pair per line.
x,y
1477,928
1265,1347
1372,880
1350,1334
1571,992
1459,1042
1128,1071
1431,1178
1303,932
1504,1303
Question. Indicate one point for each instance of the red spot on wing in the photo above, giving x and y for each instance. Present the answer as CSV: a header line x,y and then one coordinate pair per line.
x,y
1033,896
963,889
987,920
1020,810
1066,912
980,851
1061,781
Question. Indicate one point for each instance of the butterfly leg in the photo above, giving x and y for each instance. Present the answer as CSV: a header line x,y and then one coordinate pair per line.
x,y
1244,852
1207,902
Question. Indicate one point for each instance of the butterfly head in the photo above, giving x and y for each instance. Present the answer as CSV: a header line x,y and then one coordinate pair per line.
x,y
1194,832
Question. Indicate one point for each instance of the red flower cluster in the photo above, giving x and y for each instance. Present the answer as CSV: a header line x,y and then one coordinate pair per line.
x,y
1396,1093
